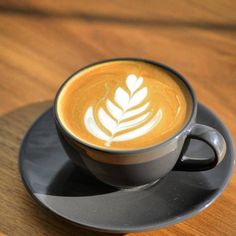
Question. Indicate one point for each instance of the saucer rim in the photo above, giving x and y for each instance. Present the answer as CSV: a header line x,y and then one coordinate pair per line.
x,y
128,229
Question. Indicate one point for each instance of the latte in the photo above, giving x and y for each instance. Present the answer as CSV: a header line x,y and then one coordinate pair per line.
x,y
124,105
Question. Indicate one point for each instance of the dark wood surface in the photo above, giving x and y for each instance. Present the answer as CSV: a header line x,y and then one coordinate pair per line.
x,y
43,42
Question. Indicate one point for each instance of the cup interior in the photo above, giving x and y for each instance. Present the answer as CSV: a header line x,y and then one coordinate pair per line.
x,y
191,106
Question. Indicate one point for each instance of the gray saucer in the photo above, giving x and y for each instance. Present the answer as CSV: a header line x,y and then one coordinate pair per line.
x,y
75,195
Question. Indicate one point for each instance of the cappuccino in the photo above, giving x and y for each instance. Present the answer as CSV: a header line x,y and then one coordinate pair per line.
x,y
124,104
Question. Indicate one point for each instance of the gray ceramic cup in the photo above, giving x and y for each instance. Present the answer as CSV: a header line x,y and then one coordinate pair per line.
x,y
143,167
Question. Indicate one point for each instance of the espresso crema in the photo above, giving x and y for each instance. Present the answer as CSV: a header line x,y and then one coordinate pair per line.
x,y
124,105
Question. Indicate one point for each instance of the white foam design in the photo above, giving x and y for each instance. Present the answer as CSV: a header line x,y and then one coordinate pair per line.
x,y
126,118
106,120
131,123
136,111
92,127
142,130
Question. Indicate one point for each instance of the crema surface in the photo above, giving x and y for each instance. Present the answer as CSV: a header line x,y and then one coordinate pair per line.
x,y
124,105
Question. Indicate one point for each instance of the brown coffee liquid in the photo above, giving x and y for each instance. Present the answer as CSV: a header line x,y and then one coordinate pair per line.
x,y
124,105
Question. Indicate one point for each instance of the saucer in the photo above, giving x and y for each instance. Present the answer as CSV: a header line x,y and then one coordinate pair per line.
x,y
72,193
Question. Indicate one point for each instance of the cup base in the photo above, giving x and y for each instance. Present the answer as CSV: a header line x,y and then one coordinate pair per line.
x,y
141,187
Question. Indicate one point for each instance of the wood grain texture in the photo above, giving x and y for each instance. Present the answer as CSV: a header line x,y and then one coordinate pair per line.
x,y
42,43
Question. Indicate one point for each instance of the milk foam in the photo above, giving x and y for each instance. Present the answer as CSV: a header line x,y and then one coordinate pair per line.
x,y
126,105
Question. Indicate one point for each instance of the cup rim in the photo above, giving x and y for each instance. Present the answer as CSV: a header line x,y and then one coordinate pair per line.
x,y
135,150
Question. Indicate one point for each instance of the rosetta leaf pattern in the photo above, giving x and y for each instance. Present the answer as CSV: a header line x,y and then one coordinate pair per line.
x,y
127,112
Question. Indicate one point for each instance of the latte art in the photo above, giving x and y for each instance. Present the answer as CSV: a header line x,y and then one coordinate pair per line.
x,y
123,105
125,113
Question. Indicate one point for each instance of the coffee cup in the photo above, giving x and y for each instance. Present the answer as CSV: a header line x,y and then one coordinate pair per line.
x,y
130,120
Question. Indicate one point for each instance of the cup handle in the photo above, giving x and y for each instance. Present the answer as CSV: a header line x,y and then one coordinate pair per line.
x,y
208,135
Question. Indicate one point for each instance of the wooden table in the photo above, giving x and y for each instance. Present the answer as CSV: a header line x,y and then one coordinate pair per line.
x,y
41,44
